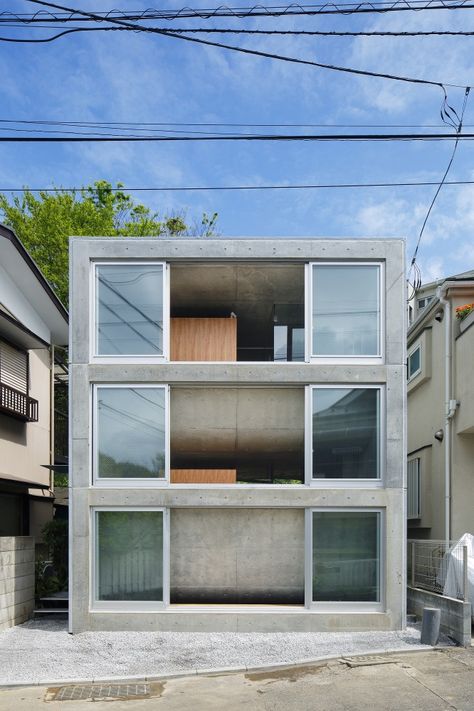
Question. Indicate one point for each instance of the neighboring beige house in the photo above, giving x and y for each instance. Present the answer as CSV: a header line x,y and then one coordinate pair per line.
x,y
32,321
440,374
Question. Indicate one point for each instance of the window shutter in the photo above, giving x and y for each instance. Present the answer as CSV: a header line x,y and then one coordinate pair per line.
x,y
13,367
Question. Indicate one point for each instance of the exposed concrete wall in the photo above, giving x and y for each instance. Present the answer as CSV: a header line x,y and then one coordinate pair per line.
x,y
237,556
237,420
17,580
455,614
389,497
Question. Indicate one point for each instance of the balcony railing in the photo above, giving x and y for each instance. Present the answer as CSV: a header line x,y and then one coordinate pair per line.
x,y
17,404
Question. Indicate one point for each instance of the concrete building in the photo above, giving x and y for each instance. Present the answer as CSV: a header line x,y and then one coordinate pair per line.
x,y
32,321
441,411
237,434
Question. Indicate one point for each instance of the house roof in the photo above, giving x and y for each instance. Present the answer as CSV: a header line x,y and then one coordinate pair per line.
x,y
17,483
21,267
428,312
463,276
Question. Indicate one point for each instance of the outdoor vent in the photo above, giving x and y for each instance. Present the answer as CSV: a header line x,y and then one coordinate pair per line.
x,y
413,489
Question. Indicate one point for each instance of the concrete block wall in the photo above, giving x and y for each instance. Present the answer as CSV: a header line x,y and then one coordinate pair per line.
x,y
183,500
455,614
17,580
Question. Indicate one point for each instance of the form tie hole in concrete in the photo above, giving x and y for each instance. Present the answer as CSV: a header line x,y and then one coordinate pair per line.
x,y
430,626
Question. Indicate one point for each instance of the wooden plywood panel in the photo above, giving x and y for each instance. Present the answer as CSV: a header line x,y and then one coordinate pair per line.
x,y
203,476
203,339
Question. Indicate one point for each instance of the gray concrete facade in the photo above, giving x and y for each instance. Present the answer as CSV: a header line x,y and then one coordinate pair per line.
x,y
238,506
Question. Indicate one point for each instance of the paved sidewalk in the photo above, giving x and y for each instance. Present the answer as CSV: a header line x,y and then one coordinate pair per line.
x,y
438,680
43,652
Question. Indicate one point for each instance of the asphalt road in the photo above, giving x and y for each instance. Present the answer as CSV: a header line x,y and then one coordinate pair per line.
x,y
435,680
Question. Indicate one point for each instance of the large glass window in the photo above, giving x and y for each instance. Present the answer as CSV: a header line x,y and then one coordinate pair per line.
x,y
129,309
346,433
129,550
346,310
346,556
130,432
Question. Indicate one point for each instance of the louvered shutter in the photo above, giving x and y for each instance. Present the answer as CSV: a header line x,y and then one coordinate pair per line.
x,y
13,367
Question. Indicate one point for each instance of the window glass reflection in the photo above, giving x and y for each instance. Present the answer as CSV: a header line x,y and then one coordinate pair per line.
x,y
414,362
346,310
346,433
130,555
131,432
129,309
346,556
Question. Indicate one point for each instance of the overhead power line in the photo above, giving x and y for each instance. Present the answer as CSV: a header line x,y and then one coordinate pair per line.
x,y
90,132
329,8
147,125
414,268
229,30
257,53
204,188
246,137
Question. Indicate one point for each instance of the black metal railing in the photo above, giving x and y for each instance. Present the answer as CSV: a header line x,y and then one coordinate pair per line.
x,y
16,404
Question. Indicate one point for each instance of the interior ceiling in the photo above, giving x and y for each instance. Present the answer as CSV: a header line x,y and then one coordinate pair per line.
x,y
248,290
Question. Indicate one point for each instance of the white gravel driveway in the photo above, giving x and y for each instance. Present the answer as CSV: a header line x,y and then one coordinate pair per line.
x,y
41,651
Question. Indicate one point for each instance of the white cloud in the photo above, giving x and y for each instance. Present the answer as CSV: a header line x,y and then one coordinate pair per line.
x,y
439,59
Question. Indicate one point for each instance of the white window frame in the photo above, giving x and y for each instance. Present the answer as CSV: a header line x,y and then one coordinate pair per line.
x,y
345,359
127,605
348,606
94,356
344,483
132,482
413,350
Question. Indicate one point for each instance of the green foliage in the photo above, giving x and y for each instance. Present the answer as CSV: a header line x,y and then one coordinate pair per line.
x,y
60,480
45,221
55,538
108,466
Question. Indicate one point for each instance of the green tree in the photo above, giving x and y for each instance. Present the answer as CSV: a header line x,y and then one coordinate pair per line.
x,y
44,222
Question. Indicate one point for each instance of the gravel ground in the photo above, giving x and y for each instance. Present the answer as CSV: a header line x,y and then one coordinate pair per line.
x,y
41,651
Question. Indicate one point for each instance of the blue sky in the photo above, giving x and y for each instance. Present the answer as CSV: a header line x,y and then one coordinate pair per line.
x,y
124,76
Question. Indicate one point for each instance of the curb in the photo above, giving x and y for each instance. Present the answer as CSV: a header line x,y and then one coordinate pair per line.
x,y
217,671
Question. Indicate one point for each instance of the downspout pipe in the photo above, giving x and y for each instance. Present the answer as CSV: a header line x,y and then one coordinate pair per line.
x,y
450,408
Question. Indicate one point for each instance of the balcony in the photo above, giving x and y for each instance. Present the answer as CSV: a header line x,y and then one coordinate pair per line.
x,y
17,404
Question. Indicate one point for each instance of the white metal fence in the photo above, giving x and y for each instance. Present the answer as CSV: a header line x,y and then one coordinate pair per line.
x,y
439,568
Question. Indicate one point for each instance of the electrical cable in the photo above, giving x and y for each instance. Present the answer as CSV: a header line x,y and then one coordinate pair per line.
x,y
231,134
413,266
117,125
258,53
245,137
327,8
228,30
204,188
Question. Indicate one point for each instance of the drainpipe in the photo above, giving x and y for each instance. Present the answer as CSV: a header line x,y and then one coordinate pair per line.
x,y
450,409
